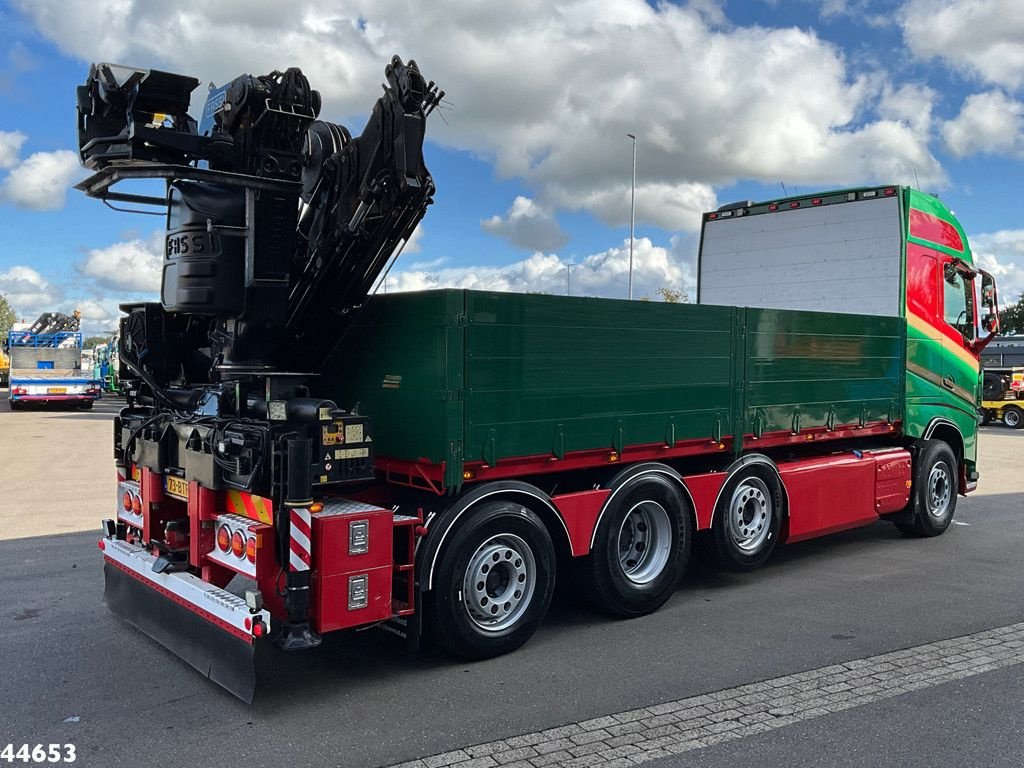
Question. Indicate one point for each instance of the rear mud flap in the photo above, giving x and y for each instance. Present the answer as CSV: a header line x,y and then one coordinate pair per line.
x,y
219,655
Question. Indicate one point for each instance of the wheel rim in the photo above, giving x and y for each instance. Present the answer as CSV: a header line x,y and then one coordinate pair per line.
x,y
1011,417
751,513
940,490
499,582
644,542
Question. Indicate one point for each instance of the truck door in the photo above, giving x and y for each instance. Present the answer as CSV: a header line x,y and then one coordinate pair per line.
x,y
959,324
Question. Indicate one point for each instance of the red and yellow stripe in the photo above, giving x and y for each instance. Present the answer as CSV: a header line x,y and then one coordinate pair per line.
x,y
253,507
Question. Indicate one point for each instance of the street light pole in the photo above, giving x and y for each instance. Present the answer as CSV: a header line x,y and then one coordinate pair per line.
x,y
632,217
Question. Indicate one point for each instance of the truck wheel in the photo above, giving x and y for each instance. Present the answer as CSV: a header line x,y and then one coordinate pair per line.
x,y
641,547
935,490
15,405
495,578
748,518
1013,417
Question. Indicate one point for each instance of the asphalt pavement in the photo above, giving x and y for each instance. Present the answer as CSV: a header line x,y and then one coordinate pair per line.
x,y
72,673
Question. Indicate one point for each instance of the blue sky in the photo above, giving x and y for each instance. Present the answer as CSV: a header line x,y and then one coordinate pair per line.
x,y
729,100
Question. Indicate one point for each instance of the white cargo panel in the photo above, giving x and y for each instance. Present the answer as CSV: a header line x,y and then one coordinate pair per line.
x,y
843,257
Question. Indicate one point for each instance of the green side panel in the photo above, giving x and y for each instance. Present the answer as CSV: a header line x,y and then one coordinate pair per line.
x,y
552,374
816,369
401,363
928,361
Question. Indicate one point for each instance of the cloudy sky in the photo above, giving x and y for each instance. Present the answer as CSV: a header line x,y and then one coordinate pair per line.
x,y
729,99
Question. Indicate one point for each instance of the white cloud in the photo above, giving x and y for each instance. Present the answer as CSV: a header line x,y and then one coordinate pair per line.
x,y
41,181
98,315
988,122
1002,254
28,292
10,146
527,225
983,39
910,103
548,91
131,265
601,274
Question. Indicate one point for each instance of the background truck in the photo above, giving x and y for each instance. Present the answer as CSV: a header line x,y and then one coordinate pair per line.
x,y
300,456
105,365
46,364
1003,396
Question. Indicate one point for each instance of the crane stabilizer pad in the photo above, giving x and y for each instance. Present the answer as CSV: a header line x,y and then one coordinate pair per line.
x,y
225,659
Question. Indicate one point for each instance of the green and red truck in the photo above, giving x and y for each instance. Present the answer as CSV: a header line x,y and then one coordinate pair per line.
x,y
301,456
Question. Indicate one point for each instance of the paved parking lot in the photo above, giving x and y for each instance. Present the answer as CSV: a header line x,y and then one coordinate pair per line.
x,y
864,648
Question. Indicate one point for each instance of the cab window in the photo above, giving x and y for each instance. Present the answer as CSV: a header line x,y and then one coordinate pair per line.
x,y
958,302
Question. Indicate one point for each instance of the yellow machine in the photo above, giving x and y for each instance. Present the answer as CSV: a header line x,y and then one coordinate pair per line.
x,y
1003,397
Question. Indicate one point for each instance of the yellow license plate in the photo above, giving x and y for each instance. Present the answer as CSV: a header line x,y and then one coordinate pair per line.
x,y
56,390
176,486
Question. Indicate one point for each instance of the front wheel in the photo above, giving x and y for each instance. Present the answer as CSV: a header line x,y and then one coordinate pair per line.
x,y
1013,417
935,490
495,578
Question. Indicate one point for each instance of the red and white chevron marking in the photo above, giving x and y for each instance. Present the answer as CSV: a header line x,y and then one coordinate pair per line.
x,y
301,547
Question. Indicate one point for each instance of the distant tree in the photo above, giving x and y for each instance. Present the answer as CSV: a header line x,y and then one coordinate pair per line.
x,y
7,316
94,341
673,296
1011,318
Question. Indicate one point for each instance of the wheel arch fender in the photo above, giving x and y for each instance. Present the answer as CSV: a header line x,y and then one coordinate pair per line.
x,y
443,523
949,433
620,479
747,460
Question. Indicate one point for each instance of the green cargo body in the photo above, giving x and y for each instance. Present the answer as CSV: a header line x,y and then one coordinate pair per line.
x,y
453,376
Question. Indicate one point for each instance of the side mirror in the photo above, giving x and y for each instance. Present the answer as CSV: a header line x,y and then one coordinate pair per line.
x,y
989,300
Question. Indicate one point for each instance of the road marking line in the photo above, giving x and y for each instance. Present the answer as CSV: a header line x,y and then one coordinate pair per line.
x,y
636,736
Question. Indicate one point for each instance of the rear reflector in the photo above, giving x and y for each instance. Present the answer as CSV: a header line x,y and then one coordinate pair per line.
x,y
223,538
237,544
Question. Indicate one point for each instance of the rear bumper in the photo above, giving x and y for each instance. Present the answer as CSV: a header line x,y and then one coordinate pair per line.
x,y
53,398
215,605
209,628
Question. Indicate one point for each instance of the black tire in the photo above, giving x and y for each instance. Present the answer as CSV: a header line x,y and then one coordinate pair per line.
x,y
86,406
641,547
1013,417
748,518
936,483
15,405
501,526
984,416
993,386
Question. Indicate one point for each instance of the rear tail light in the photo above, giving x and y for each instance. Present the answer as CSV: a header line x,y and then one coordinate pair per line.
x,y
126,501
816,201
259,629
795,204
889,192
250,549
773,207
237,544
223,538
137,505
